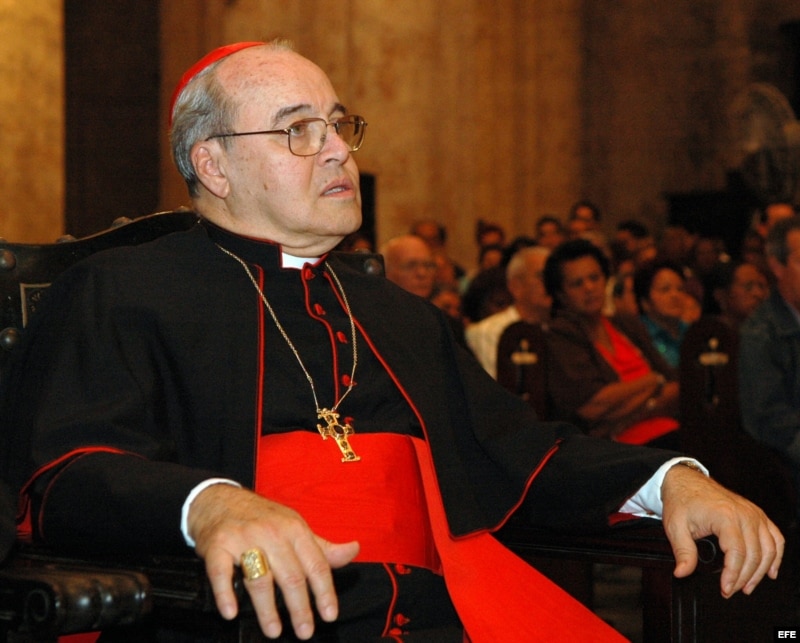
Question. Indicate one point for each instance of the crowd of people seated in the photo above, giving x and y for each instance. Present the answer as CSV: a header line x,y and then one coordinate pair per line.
x,y
700,263
616,307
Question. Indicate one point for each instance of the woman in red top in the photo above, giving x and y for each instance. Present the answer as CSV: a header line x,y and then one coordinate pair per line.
x,y
603,373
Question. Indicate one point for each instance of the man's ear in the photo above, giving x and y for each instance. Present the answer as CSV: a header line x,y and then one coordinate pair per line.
x,y
208,161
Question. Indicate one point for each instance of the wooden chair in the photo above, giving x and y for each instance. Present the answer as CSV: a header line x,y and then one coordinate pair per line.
x,y
521,365
521,368
711,430
711,427
26,270
673,610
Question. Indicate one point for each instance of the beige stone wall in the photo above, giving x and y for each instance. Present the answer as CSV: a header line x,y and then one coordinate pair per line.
x,y
31,120
501,111
659,82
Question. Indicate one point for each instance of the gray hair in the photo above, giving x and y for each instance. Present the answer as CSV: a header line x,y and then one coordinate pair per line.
x,y
201,110
517,265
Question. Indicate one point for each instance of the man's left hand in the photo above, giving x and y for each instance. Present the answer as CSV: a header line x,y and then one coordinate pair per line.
x,y
695,506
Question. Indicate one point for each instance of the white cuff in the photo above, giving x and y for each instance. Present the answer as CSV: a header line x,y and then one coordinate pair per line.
x,y
188,502
646,503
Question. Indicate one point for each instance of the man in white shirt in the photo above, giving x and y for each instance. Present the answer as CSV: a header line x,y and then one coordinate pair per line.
x,y
531,304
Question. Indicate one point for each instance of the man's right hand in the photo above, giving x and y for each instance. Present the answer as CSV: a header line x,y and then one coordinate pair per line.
x,y
225,521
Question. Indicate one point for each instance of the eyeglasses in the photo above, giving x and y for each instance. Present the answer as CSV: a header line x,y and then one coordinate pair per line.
x,y
415,265
307,137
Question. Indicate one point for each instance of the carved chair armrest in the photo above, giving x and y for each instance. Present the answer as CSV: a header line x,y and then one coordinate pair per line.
x,y
46,594
638,544
672,609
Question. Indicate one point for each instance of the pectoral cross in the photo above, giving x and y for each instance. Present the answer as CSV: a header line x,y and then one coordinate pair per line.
x,y
338,432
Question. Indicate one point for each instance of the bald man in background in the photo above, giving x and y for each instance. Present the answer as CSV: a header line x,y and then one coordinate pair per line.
x,y
410,264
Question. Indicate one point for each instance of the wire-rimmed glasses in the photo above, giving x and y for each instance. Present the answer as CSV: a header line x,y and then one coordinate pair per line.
x,y
307,137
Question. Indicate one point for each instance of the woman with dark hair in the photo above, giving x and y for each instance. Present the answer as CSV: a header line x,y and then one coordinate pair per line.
x,y
603,372
660,290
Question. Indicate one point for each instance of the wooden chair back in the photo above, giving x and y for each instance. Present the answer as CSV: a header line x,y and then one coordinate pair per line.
x,y
711,427
26,270
521,364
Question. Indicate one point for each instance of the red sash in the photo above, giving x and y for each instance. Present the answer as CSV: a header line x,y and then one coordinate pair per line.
x,y
498,596
377,501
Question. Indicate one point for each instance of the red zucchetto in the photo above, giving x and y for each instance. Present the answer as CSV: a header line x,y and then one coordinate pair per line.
x,y
209,59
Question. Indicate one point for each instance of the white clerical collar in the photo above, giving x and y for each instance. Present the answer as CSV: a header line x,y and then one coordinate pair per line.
x,y
290,261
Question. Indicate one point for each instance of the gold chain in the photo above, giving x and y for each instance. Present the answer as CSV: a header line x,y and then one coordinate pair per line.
x,y
320,411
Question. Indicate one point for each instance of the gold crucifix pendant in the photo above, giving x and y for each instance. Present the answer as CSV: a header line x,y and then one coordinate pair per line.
x,y
338,432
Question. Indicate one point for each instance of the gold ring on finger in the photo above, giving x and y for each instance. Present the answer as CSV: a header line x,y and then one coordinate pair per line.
x,y
254,564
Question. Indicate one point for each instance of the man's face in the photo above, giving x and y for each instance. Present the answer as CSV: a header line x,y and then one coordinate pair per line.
x,y
576,227
411,266
748,289
587,215
788,276
583,286
307,204
550,236
530,291
448,301
491,238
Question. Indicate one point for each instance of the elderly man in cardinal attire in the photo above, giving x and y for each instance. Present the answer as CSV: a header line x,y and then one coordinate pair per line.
x,y
239,393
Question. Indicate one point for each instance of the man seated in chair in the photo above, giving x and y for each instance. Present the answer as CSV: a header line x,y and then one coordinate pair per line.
x,y
769,350
238,390
531,304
